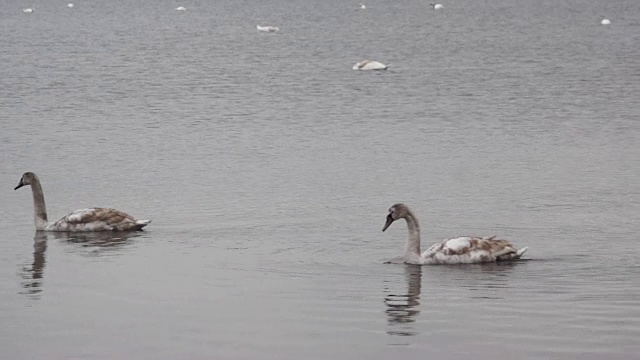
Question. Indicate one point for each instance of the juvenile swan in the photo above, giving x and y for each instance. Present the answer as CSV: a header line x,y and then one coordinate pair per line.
x,y
92,219
460,250
267,28
369,65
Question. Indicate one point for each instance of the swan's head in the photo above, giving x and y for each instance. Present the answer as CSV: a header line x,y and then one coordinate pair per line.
x,y
27,179
397,211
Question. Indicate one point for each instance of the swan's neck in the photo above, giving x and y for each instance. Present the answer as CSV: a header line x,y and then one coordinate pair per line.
x,y
413,243
39,208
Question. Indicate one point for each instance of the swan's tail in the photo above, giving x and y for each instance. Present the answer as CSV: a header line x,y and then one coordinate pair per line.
x,y
521,252
509,253
141,223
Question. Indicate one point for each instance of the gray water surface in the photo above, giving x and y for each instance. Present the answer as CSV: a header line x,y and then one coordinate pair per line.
x,y
267,166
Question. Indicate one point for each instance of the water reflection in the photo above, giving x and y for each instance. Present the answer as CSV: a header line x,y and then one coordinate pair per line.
x,y
403,308
491,281
97,244
32,274
101,241
92,244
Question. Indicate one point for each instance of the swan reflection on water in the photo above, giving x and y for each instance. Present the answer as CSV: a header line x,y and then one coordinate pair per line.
x,y
99,239
482,281
90,243
32,274
404,307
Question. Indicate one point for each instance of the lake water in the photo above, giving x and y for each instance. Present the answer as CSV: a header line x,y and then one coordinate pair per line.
x,y
267,166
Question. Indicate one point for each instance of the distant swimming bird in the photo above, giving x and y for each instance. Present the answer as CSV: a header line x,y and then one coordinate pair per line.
x,y
369,65
605,22
460,250
268,28
69,5
91,219
27,10
437,6
362,7
181,8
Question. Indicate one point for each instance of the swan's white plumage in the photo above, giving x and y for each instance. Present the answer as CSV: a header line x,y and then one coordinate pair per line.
x,y
457,244
605,22
88,219
437,6
27,10
69,5
369,65
363,7
77,215
181,8
458,250
267,28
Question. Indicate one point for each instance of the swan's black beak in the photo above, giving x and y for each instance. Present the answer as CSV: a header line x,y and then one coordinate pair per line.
x,y
19,185
389,221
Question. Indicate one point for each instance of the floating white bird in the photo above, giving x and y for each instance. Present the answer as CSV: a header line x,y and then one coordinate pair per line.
x,y
362,6
369,65
437,6
27,10
605,22
268,28
460,250
69,5
181,8
91,219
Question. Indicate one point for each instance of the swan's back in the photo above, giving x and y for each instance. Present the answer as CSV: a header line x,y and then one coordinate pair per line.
x,y
267,28
370,65
468,250
98,219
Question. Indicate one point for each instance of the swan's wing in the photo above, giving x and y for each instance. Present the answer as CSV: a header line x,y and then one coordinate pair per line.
x,y
362,64
370,65
466,249
496,247
431,251
98,214
98,219
501,249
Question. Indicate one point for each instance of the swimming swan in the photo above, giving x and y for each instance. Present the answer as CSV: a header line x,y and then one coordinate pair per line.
x,y
460,250
268,28
605,22
91,219
362,6
181,8
437,6
27,10
369,65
